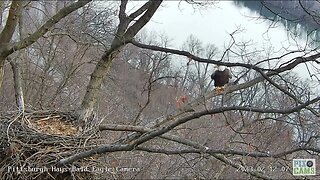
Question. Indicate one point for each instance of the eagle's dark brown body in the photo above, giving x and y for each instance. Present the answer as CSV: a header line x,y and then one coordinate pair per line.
x,y
221,77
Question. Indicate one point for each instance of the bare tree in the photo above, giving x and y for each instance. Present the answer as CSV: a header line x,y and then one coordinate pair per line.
x,y
125,33
7,47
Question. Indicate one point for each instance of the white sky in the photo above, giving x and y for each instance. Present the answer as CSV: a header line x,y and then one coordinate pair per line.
x,y
212,25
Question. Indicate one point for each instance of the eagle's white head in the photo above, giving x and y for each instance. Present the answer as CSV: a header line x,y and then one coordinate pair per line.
x,y
220,68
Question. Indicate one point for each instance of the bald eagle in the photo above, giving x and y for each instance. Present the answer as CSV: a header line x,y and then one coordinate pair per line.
x,y
221,76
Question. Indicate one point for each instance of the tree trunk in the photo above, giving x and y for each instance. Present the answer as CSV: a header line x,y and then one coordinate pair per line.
x,y
2,60
16,69
7,33
123,35
18,84
93,89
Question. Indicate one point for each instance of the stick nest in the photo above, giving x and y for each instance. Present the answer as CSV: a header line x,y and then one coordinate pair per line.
x,y
32,143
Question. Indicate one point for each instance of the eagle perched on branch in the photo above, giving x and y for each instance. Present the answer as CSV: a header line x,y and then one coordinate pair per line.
x,y
221,76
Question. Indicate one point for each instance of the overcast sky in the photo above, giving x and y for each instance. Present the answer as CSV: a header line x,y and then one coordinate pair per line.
x,y
213,25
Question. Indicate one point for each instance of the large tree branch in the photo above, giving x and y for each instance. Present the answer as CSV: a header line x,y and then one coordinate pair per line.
x,y
227,152
122,11
152,133
118,147
124,147
13,17
189,55
290,65
198,148
141,129
123,24
46,26
117,127
201,149
139,11
98,150
161,130
122,29
215,153
143,20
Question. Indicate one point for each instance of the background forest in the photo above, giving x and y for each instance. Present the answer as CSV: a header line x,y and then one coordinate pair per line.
x,y
135,106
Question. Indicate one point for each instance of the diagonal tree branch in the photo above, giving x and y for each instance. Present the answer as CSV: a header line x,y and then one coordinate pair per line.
x,y
139,11
122,11
162,130
290,65
13,17
45,27
143,20
123,24
141,129
226,152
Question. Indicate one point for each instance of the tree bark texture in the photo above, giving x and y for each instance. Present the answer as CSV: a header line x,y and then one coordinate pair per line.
x,y
2,60
93,89
18,84
13,17
7,33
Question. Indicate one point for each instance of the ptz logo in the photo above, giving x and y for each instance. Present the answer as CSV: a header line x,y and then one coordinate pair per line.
x,y
304,167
